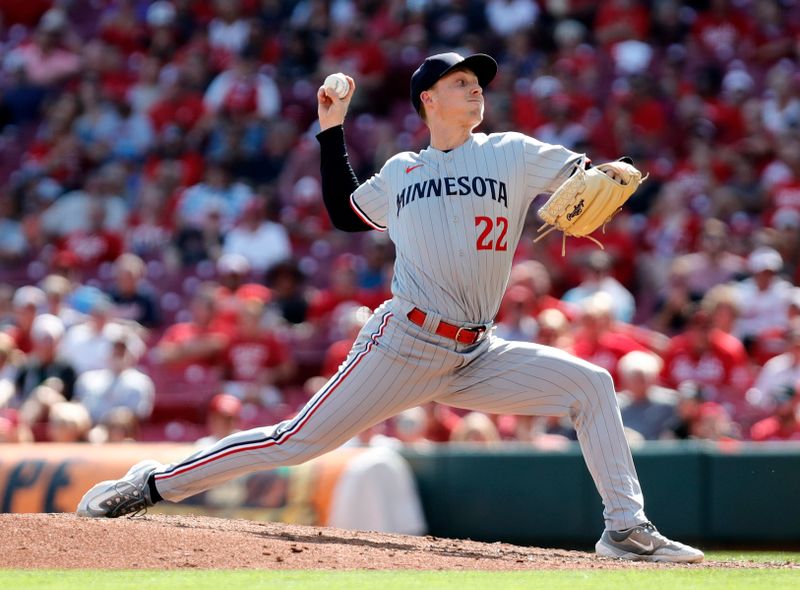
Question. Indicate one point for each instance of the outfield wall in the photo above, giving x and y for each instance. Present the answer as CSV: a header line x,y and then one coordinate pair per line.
x,y
733,493
736,493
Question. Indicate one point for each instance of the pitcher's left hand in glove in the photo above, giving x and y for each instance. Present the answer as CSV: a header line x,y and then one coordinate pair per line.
x,y
589,199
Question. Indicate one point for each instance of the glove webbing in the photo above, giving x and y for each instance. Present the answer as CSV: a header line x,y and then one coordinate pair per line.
x,y
564,236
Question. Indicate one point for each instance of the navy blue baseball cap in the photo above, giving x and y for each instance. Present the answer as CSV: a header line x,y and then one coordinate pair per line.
x,y
441,64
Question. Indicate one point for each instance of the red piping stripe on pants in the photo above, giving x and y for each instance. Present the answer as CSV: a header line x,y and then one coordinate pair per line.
x,y
287,434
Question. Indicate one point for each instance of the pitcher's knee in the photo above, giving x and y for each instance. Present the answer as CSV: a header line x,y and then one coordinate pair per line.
x,y
605,386
605,379
599,387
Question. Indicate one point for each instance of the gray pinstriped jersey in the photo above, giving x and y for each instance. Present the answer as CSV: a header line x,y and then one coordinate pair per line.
x,y
456,217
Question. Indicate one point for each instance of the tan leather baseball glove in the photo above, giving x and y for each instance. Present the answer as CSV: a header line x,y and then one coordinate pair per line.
x,y
589,199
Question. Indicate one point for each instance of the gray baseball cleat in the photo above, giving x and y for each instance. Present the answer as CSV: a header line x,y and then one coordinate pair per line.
x,y
117,497
644,543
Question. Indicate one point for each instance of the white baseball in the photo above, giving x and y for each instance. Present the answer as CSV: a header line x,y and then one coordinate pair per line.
x,y
338,84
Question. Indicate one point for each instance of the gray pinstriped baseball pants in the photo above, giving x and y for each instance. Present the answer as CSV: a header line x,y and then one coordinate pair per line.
x,y
394,365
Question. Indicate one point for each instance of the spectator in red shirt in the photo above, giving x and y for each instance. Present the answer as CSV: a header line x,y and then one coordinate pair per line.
x,y
178,105
528,100
618,243
440,421
721,32
229,30
172,150
773,34
639,118
233,271
599,340
119,26
96,244
199,341
55,152
705,355
12,429
256,361
352,48
619,20
242,89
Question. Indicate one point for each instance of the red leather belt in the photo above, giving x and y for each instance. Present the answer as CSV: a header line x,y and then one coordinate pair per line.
x,y
459,334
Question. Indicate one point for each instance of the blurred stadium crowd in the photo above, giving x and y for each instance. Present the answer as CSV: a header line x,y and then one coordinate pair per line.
x,y
168,271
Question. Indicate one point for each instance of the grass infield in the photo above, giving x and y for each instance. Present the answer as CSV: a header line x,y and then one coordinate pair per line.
x,y
677,579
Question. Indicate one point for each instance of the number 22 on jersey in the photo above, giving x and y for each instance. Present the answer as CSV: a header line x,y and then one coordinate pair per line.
x,y
489,230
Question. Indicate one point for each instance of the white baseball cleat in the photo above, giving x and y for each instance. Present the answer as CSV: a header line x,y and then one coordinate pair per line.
x,y
117,497
644,543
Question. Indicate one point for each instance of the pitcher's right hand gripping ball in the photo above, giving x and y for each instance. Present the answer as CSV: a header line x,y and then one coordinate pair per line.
x,y
589,199
338,84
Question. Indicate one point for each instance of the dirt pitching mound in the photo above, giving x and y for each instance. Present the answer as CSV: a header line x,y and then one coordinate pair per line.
x,y
168,542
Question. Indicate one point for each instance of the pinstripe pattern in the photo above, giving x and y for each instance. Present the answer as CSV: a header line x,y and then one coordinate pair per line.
x,y
438,265
279,435
531,379
395,365
437,207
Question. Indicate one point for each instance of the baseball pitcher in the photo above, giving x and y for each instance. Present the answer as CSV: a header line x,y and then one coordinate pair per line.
x,y
455,212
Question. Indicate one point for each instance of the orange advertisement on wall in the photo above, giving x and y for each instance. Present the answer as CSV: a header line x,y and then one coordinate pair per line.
x,y
53,477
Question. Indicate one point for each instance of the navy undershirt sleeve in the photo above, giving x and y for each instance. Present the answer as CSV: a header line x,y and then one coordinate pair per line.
x,y
338,181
